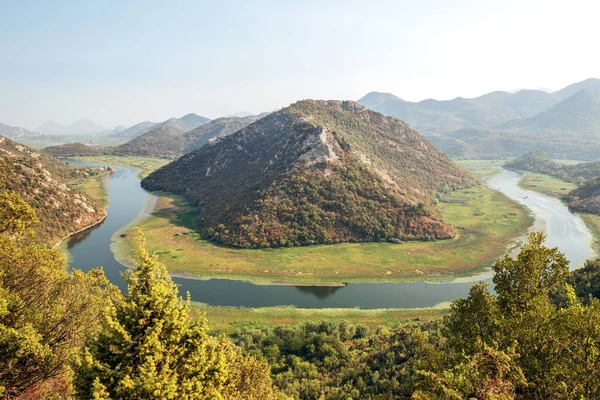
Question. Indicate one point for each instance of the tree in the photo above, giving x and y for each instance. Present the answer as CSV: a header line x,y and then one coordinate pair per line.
x,y
531,276
44,311
150,348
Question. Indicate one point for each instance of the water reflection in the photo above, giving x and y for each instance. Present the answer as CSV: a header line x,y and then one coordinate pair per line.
x,y
320,292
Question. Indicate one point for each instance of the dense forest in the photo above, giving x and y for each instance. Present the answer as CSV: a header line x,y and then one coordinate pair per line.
x,y
316,172
77,336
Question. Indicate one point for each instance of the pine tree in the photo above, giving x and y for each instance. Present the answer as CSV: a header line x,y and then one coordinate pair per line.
x,y
44,311
150,348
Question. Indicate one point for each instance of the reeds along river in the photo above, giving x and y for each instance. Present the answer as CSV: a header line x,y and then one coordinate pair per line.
x,y
91,248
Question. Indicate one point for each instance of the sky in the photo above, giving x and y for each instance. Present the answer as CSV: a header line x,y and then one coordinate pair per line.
x,y
126,61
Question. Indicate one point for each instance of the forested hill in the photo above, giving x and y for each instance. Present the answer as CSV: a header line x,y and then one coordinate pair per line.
x,y
586,198
43,182
541,162
74,150
317,172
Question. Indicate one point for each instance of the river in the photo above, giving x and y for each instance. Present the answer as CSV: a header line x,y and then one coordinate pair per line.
x,y
91,248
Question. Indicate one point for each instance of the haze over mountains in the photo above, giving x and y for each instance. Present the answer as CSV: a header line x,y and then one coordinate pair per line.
x,y
164,140
81,127
565,123
316,172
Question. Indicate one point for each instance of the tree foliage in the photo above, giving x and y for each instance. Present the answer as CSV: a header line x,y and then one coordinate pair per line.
x,y
44,312
149,348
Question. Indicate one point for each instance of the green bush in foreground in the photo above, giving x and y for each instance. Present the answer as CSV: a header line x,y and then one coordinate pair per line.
x,y
149,348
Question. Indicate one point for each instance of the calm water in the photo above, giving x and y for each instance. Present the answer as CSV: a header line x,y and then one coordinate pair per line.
x,y
92,248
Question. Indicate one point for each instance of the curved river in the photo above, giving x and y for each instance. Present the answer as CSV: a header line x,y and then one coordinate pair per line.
x,y
91,248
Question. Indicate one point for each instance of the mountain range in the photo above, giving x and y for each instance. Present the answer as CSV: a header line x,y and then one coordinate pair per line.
x,y
81,127
162,140
565,123
316,172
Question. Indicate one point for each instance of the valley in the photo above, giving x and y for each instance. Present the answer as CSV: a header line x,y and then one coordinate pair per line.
x,y
480,212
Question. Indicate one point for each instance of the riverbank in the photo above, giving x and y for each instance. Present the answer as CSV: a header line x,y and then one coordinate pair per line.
x,y
230,319
488,224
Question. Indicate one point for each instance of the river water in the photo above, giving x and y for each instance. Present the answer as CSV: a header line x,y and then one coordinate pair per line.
x,y
91,248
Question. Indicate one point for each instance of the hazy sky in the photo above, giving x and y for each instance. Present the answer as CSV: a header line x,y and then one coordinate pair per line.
x,y
121,62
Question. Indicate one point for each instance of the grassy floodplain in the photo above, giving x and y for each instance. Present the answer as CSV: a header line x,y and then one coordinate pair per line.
x,y
145,164
230,319
488,223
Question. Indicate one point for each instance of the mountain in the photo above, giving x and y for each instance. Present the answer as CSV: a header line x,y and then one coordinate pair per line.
x,y
316,172
375,99
16,132
161,141
81,127
135,130
592,84
578,116
500,124
51,127
185,123
241,114
74,150
169,142
215,129
43,182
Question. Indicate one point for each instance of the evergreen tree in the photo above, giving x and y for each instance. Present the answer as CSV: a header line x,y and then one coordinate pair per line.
x,y
44,311
150,348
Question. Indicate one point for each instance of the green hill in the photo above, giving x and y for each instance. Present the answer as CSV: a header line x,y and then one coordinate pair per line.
x,y
586,198
541,162
74,150
43,182
316,172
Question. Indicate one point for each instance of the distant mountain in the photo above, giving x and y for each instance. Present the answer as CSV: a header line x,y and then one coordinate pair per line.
x,y
240,114
81,127
375,99
169,142
592,84
185,123
316,172
577,116
499,124
43,182
216,128
51,127
161,141
14,132
135,130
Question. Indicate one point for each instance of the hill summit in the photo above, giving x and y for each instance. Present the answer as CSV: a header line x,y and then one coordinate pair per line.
x,y
316,172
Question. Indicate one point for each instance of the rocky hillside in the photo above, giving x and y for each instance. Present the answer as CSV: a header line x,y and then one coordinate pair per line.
x,y
316,172
44,182
74,150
